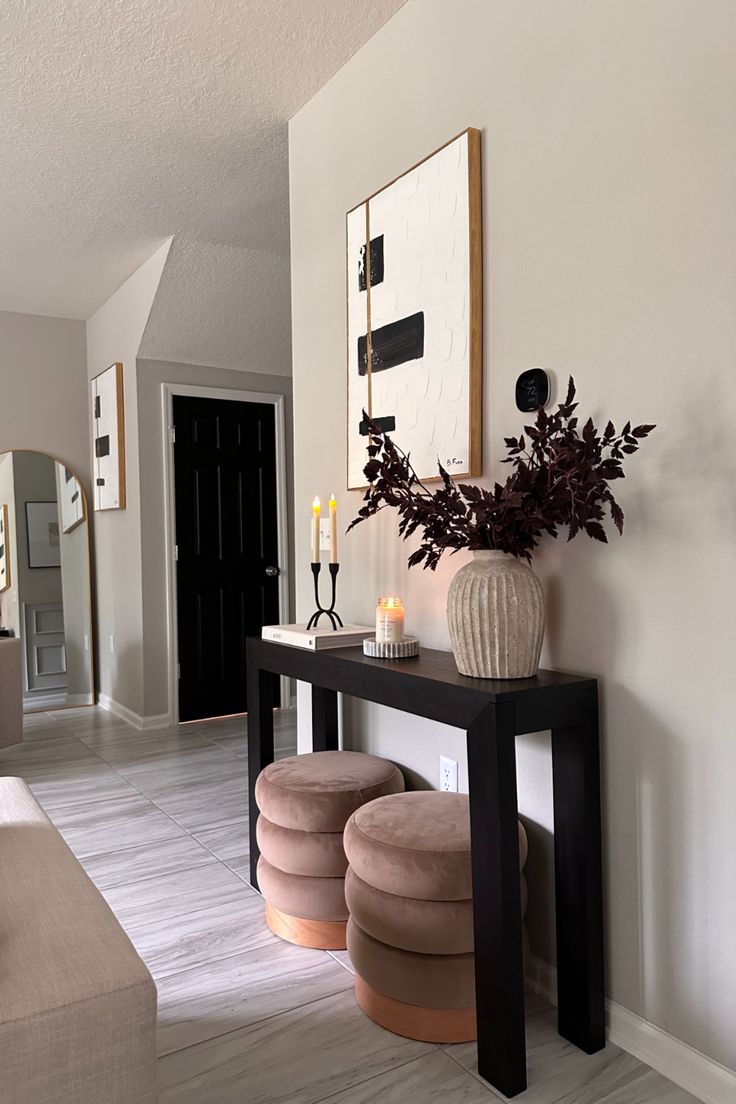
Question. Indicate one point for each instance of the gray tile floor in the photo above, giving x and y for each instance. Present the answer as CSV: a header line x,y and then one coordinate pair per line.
x,y
160,822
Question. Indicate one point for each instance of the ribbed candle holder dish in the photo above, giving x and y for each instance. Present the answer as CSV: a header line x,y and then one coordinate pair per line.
x,y
397,649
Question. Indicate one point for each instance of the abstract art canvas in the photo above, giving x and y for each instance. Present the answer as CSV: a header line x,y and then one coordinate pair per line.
x,y
4,549
414,314
108,429
71,499
42,527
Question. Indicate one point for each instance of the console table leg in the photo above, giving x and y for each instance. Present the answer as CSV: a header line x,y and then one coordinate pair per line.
x,y
578,879
499,966
324,719
260,747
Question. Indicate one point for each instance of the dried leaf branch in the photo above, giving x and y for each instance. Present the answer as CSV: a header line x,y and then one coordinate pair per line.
x,y
561,477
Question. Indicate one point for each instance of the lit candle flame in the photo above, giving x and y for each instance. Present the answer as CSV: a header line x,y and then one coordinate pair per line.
x,y
316,506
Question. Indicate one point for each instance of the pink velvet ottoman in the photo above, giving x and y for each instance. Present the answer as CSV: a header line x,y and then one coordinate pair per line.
x,y
409,893
305,802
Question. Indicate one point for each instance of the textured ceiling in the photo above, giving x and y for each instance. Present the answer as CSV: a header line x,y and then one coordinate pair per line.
x,y
223,306
125,121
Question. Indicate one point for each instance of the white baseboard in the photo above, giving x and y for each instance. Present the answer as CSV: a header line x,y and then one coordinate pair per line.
x,y
689,1068
75,700
156,720
143,724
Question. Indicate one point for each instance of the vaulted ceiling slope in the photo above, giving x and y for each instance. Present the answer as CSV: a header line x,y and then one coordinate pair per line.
x,y
125,121
223,306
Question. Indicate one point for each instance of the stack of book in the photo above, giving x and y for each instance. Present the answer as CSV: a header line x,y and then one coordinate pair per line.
x,y
316,640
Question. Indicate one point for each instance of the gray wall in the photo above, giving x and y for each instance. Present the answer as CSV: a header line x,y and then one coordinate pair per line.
x,y
609,166
151,375
43,394
43,388
113,336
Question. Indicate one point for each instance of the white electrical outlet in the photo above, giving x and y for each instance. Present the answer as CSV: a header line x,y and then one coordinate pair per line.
x,y
324,535
448,774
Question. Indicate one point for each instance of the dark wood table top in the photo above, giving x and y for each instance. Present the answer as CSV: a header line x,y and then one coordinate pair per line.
x,y
428,684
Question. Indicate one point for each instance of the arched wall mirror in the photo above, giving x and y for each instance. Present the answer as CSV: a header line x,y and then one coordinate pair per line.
x,y
45,583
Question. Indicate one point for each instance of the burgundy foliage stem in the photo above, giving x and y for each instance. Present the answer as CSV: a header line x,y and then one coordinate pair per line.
x,y
561,476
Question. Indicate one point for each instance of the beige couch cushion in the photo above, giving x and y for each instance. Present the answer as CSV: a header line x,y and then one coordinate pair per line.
x,y
77,1005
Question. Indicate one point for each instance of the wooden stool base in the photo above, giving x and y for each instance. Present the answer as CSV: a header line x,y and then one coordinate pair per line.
x,y
322,935
428,1025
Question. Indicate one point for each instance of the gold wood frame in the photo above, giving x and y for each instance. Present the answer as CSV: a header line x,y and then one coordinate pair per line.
x,y
8,572
90,578
475,305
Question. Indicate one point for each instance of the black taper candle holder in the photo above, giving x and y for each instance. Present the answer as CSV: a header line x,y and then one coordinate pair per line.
x,y
334,618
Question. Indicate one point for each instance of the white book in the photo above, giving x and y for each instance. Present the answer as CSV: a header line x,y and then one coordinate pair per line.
x,y
316,640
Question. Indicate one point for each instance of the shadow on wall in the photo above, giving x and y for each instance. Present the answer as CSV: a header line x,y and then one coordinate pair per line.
x,y
125,671
647,819
649,828
649,824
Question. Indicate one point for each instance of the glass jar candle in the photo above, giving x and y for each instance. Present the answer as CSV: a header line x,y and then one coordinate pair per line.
x,y
389,620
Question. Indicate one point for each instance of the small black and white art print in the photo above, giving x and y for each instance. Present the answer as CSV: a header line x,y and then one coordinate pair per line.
x,y
108,439
414,287
71,498
42,528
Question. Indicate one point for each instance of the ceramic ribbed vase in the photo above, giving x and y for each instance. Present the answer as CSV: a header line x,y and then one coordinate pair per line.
x,y
495,610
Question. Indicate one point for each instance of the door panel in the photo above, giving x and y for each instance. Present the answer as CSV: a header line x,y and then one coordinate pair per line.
x,y
226,535
45,647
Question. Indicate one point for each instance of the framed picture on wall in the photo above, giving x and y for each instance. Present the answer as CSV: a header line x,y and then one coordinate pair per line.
x,y
42,528
71,499
108,439
414,314
5,579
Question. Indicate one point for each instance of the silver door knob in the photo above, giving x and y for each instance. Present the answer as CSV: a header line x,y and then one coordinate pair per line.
x,y
271,571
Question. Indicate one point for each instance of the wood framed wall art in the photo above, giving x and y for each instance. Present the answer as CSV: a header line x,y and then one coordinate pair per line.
x,y
72,506
108,436
415,314
42,534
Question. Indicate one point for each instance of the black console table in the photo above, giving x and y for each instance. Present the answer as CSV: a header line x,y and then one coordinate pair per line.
x,y
492,712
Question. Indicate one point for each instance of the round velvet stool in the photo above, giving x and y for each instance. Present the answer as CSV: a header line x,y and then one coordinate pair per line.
x,y
305,802
409,893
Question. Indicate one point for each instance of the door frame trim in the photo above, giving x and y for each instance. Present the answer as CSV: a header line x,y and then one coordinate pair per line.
x,y
278,401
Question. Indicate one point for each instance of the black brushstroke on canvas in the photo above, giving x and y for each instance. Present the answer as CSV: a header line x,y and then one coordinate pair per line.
x,y
386,425
376,264
393,344
102,446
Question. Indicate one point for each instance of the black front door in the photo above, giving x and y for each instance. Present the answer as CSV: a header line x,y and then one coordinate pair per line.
x,y
227,546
